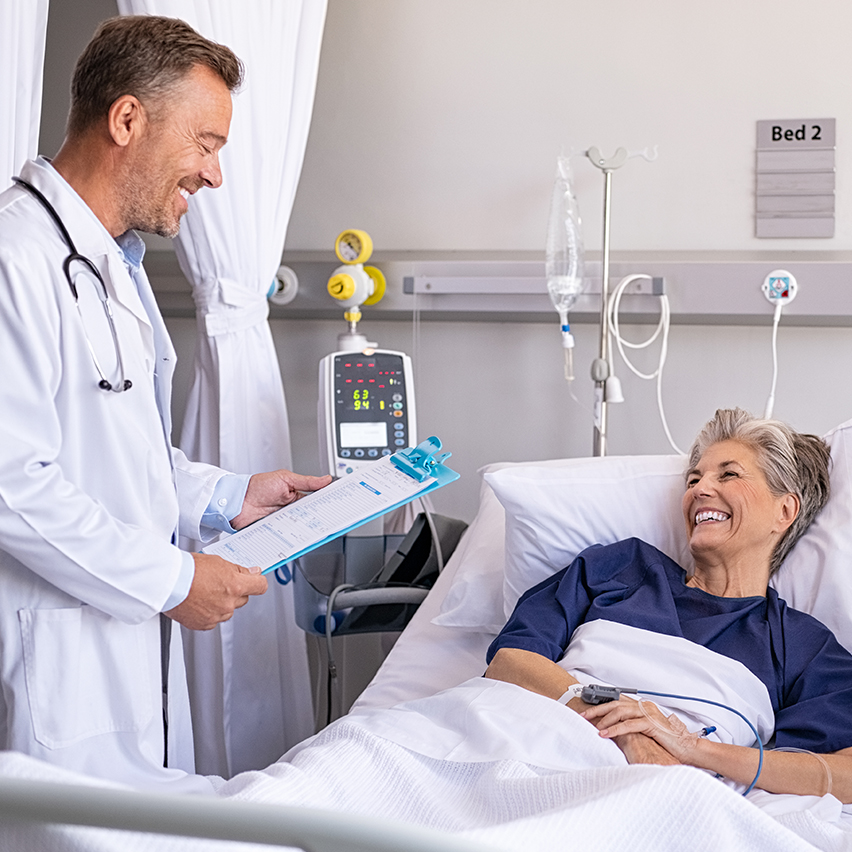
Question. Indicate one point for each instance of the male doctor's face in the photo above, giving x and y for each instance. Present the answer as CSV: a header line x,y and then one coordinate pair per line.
x,y
178,152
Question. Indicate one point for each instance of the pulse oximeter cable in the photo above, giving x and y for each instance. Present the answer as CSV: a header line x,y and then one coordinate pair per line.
x,y
598,694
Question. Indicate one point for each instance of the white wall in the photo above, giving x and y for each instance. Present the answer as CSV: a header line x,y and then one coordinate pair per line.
x,y
438,122
436,127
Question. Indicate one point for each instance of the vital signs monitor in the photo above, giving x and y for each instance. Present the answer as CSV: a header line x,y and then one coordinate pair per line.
x,y
366,407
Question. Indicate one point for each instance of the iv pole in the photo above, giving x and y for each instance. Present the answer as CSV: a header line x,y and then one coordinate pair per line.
x,y
601,365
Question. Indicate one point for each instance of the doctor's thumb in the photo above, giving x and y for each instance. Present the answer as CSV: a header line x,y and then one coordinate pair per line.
x,y
255,581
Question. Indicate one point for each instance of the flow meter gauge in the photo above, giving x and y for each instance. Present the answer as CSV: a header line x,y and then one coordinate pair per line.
x,y
353,246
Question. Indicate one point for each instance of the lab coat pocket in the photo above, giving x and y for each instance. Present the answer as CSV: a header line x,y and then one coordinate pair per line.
x,y
86,674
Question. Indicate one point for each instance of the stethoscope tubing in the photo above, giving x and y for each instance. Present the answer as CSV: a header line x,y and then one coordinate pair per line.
x,y
75,257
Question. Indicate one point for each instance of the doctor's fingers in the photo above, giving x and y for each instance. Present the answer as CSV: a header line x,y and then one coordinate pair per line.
x,y
303,484
252,582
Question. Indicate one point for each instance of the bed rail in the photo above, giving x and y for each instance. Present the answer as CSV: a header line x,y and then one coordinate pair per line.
x,y
311,829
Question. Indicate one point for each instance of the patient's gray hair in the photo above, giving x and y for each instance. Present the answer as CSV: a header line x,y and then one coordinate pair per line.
x,y
792,462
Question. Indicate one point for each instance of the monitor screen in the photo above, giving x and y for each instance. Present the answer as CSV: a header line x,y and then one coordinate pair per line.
x,y
364,434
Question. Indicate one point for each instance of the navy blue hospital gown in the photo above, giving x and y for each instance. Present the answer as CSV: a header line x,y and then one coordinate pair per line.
x,y
807,673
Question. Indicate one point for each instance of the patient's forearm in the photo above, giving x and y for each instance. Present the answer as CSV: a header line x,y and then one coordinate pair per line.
x,y
531,671
543,676
783,772
535,673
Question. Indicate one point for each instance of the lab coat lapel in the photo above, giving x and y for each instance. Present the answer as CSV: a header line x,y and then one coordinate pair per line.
x,y
164,352
90,237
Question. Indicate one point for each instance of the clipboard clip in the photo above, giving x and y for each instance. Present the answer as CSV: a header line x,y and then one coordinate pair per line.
x,y
418,462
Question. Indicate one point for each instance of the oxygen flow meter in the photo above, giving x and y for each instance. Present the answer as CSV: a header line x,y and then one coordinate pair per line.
x,y
354,284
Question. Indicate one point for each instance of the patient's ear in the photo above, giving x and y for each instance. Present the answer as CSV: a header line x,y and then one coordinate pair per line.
x,y
788,511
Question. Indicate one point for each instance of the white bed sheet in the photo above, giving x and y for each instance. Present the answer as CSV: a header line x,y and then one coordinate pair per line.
x,y
468,774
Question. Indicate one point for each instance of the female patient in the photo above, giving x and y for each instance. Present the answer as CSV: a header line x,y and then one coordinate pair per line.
x,y
752,488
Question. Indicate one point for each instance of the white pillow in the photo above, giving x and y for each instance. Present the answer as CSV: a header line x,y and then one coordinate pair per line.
x,y
555,509
553,513
817,575
474,601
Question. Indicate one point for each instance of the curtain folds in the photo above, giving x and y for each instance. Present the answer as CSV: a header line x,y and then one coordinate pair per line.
x,y
23,30
249,679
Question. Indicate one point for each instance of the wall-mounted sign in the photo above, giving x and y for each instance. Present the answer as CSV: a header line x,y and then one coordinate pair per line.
x,y
795,178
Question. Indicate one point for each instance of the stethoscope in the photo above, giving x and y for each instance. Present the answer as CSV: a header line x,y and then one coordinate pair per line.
x,y
124,383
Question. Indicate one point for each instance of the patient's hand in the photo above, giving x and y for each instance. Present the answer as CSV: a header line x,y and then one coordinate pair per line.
x,y
627,717
639,748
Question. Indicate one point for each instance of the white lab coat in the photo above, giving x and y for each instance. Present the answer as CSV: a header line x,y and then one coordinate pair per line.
x,y
88,506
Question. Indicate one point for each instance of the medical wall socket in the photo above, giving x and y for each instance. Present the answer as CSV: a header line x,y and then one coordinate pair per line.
x,y
780,287
285,286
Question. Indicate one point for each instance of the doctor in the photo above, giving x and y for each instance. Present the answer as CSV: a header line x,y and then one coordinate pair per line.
x,y
92,494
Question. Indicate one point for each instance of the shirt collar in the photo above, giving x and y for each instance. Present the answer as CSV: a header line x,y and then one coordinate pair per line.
x,y
132,249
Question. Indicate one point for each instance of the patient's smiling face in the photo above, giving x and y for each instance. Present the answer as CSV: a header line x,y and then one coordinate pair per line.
x,y
733,520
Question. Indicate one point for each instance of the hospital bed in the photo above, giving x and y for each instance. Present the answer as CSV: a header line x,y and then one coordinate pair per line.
x,y
532,519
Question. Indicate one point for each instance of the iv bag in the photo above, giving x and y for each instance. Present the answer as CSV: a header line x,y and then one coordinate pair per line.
x,y
564,253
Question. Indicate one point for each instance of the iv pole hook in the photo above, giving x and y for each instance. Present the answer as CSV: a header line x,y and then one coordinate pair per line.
x,y
616,161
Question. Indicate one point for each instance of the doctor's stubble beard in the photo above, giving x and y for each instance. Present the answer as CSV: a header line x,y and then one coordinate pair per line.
x,y
149,206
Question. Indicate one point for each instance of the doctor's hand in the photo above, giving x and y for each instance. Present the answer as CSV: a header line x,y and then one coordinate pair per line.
x,y
270,491
218,588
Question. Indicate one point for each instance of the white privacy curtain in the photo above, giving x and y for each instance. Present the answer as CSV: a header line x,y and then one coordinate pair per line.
x,y
23,29
249,678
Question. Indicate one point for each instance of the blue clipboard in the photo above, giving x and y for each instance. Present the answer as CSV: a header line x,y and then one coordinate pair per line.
x,y
420,463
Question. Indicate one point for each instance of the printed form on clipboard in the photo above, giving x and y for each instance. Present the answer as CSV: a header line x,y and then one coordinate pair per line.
x,y
335,510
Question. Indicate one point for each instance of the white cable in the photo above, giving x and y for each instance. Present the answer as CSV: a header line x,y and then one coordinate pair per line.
x,y
662,328
415,338
770,402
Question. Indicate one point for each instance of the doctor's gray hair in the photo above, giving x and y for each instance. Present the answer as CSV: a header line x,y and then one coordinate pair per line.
x,y
145,56
792,462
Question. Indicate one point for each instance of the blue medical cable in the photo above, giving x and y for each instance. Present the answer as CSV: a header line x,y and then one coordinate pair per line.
x,y
632,691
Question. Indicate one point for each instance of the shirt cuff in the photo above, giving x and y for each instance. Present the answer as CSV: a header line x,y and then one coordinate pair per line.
x,y
226,502
184,582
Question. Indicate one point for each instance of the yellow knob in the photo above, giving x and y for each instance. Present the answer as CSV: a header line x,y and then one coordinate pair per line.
x,y
379,284
341,286
352,316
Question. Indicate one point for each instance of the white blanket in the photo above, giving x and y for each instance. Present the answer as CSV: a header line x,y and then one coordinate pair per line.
x,y
496,763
